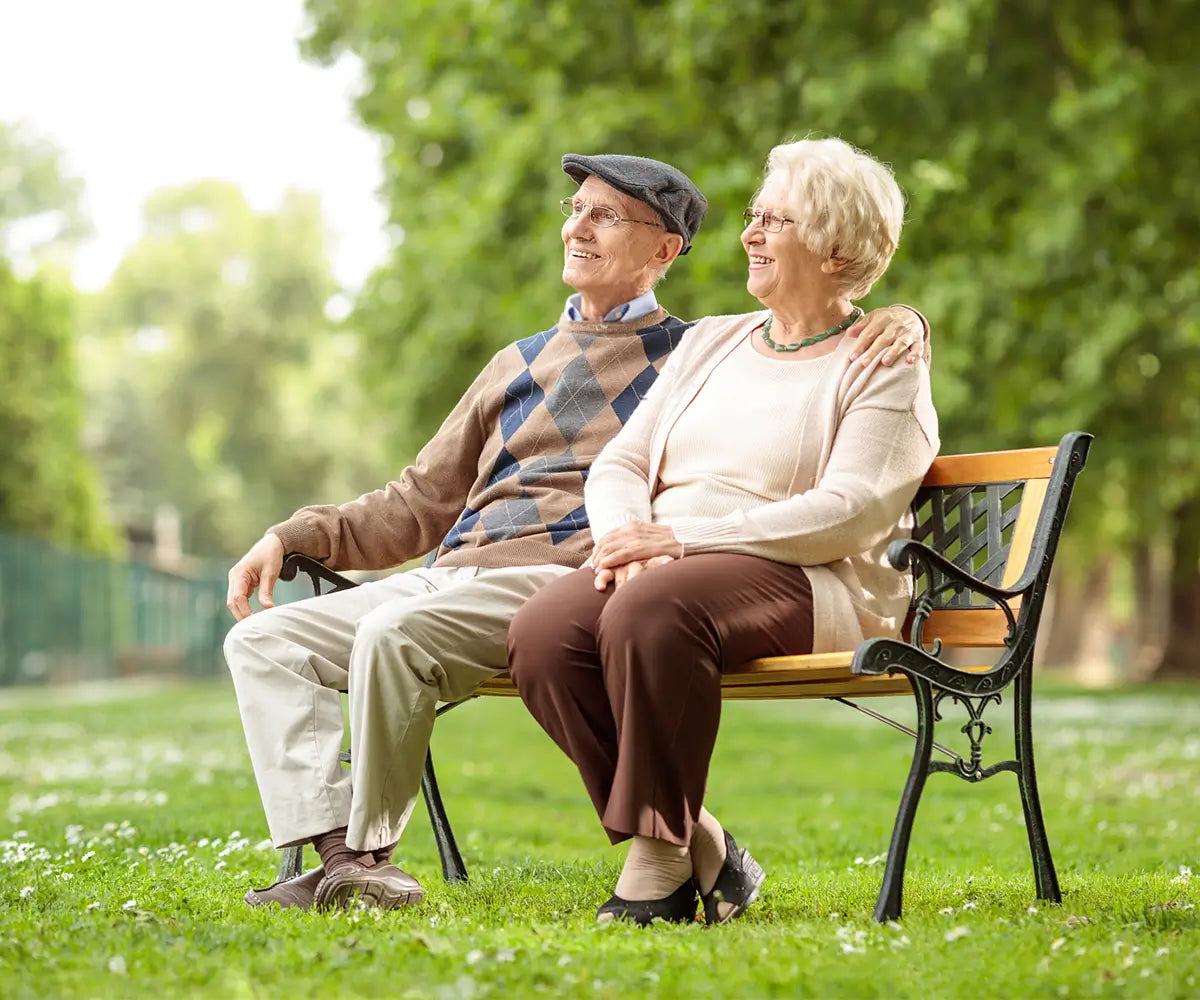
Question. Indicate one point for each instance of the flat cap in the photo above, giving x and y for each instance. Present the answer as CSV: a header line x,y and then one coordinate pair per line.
x,y
670,192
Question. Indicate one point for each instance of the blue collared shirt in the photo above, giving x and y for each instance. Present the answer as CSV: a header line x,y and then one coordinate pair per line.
x,y
643,305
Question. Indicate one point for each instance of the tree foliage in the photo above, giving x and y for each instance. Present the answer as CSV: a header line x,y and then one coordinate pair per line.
x,y
1052,203
1046,151
47,486
41,205
219,387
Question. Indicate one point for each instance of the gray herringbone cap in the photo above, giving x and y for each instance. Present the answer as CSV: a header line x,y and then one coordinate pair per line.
x,y
670,192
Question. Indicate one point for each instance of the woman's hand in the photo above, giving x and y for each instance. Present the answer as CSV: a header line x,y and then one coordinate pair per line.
x,y
890,331
636,541
621,574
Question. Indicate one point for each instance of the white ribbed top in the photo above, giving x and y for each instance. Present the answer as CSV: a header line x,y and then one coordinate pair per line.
x,y
734,447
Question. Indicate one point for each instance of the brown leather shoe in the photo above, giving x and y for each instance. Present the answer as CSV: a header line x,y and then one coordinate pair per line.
x,y
290,893
384,886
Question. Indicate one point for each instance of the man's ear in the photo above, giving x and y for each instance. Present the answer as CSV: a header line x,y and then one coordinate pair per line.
x,y
669,248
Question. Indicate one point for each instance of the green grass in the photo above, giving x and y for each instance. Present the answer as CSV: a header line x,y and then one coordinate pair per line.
x,y
132,827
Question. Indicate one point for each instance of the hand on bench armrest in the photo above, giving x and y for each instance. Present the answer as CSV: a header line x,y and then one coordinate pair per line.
x,y
317,571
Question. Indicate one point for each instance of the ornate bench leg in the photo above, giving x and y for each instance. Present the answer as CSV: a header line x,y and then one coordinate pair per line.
x,y
292,863
891,892
1039,846
453,868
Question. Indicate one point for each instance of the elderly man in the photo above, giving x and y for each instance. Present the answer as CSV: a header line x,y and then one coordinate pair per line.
x,y
498,495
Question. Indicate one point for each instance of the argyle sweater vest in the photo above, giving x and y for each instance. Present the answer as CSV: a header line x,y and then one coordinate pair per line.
x,y
501,483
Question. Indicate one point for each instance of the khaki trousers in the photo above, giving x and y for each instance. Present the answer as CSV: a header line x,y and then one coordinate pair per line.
x,y
399,646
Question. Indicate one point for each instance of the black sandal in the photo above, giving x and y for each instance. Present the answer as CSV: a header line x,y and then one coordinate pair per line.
x,y
677,908
737,882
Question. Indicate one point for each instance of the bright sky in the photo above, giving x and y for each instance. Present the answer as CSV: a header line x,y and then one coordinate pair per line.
x,y
146,93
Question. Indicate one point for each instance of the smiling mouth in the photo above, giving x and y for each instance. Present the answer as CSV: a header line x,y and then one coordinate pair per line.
x,y
755,259
583,255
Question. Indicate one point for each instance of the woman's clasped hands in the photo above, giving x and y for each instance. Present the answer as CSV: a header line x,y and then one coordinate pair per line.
x,y
630,550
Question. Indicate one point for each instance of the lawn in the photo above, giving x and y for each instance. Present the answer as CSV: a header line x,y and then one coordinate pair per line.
x,y
132,827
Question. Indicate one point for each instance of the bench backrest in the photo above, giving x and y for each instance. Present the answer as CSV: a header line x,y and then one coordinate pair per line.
x,y
982,512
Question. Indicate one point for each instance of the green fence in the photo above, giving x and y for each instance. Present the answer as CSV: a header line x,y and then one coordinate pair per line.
x,y
65,616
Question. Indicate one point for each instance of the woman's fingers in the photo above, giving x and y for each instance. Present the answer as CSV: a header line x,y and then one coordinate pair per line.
x,y
632,570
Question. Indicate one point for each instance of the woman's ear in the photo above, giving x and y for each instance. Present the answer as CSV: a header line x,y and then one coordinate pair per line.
x,y
834,263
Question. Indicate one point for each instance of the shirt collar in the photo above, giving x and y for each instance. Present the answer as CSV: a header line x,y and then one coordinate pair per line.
x,y
643,305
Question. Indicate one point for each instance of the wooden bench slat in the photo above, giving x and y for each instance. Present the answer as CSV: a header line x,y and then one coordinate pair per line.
x,y
991,467
1032,501
968,628
793,682
850,686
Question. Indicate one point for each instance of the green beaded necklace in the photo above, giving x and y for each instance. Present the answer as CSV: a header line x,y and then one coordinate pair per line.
x,y
855,315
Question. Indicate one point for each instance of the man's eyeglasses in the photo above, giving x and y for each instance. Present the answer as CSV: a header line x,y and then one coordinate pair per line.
x,y
771,223
600,216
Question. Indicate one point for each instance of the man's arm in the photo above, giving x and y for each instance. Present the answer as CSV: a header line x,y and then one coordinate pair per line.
x,y
407,517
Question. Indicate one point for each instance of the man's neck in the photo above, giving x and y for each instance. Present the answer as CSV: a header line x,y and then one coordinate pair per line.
x,y
606,310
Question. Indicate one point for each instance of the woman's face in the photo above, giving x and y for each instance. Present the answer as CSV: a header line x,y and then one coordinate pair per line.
x,y
780,265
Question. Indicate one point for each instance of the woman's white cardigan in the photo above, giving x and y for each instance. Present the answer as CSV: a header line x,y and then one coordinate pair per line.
x,y
868,439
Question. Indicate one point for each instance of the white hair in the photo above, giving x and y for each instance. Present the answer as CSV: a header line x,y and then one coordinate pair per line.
x,y
846,205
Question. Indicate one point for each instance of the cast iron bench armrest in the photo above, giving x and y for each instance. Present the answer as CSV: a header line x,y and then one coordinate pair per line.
x,y
887,656
903,553
294,563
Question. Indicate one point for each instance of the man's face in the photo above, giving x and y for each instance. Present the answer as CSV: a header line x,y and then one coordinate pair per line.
x,y
617,263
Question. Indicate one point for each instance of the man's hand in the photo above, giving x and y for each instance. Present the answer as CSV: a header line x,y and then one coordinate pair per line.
x,y
622,574
636,541
257,568
889,331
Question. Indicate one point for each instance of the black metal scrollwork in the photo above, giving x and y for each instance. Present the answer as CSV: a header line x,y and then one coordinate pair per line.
x,y
975,730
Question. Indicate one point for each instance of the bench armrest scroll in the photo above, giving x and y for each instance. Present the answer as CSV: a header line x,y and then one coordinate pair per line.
x,y
903,553
294,563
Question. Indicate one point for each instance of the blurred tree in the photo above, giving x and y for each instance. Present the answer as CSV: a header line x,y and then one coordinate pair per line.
x,y
41,205
219,387
47,487
1045,148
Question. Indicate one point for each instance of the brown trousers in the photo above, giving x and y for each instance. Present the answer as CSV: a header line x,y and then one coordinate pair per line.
x,y
628,682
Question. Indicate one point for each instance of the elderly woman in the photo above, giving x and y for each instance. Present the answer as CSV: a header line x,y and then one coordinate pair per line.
x,y
742,512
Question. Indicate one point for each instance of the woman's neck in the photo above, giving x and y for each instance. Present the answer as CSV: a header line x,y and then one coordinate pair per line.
x,y
797,319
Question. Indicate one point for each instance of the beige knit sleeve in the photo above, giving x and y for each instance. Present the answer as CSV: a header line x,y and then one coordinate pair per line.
x,y
883,446
411,514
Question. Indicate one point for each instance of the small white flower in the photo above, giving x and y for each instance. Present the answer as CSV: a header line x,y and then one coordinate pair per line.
x,y
957,932
129,904
1161,952
474,956
27,892
95,905
970,904
219,865
1032,909
1057,943
88,856
116,965
946,909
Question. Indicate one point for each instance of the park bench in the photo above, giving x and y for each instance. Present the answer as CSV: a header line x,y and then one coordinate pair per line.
x,y
987,526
